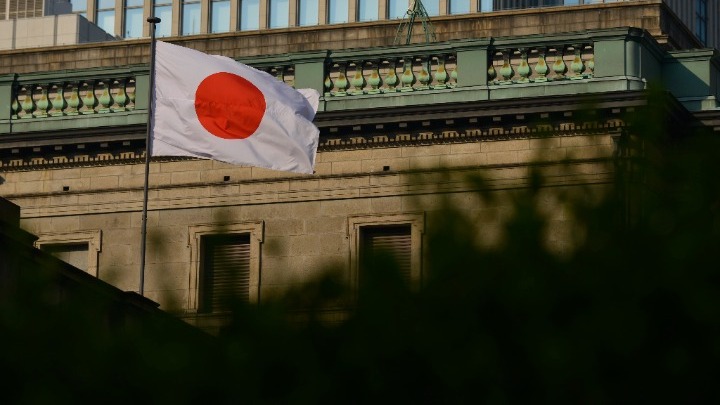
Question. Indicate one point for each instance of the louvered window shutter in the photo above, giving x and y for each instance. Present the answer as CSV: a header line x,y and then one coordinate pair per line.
x,y
225,271
394,240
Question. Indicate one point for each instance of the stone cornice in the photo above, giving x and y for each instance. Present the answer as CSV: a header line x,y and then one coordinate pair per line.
x,y
361,129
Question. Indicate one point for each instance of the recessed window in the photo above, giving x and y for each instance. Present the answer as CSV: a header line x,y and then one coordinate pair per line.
x,y
307,12
701,20
80,248
105,16
220,16
163,10
279,13
225,271
459,6
75,254
367,10
190,17
249,15
397,9
432,7
337,11
79,7
225,265
396,237
383,242
133,19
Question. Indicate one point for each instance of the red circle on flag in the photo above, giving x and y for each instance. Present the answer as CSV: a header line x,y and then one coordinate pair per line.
x,y
229,106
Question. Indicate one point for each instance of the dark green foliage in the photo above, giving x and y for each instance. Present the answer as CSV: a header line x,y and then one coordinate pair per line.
x,y
631,314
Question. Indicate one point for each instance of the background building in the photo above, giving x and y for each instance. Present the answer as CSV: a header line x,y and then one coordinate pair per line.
x,y
126,18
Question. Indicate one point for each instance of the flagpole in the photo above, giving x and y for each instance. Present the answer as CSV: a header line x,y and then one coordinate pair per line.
x,y
143,237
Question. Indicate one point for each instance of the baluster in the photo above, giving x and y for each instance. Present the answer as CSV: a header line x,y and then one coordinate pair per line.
x,y
358,80
280,73
559,66
391,79
14,104
524,68
121,97
328,83
105,100
58,102
591,65
130,94
42,104
424,75
28,104
375,81
454,76
341,83
506,71
89,100
577,65
541,68
441,74
73,100
492,73
408,76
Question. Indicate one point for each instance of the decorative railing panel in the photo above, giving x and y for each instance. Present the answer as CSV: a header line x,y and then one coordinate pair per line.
x,y
541,64
390,74
78,97
284,73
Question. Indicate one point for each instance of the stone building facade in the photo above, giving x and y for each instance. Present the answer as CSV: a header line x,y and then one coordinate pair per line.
x,y
393,151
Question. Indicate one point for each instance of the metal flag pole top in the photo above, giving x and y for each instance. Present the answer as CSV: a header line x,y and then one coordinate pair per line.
x,y
143,237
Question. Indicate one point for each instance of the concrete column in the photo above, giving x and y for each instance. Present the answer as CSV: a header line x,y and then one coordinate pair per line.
x,y
119,18
204,16
176,10
264,14
293,13
147,12
352,10
443,7
234,12
91,8
472,62
310,70
6,87
322,12
382,9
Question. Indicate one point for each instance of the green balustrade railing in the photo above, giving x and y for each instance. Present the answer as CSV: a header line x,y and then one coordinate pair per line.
x,y
424,74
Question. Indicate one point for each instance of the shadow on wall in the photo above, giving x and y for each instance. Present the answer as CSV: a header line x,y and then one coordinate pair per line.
x,y
631,312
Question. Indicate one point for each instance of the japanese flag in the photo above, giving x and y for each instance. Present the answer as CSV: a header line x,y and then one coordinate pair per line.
x,y
213,107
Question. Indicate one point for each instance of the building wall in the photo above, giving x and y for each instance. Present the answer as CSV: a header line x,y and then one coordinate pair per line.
x,y
701,17
648,16
305,218
127,19
122,19
50,31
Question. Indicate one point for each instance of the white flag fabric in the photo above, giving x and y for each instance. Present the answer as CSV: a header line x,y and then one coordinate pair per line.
x,y
213,107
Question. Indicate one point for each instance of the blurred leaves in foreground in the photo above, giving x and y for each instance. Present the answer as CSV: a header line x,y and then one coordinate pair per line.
x,y
630,314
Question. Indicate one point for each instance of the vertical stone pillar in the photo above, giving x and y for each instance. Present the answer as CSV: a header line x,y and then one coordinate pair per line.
x,y
310,71
142,83
472,62
7,82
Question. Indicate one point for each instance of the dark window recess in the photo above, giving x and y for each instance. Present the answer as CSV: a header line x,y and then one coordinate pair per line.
x,y
225,271
75,254
394,240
